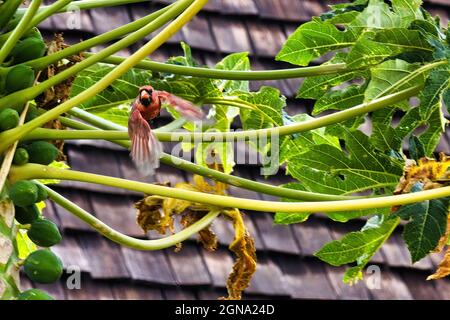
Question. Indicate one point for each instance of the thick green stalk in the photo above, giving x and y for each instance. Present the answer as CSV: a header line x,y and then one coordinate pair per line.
x,y
125,240
49,11
9,270
35,171
16,99
21,28
232,136
41,16
7,11
239,182
232,74
91,4
41,63
10,136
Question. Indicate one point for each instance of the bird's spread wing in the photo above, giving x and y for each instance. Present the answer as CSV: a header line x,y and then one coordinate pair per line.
x,y
145,148
185,108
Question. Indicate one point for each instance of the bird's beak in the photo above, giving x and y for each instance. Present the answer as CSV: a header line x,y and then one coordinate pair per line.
x,y
145,96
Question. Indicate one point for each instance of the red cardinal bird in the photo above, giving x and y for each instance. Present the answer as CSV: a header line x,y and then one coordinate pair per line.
x,y
145,148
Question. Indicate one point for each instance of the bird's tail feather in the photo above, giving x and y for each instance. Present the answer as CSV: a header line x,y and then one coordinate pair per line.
x,y
145,151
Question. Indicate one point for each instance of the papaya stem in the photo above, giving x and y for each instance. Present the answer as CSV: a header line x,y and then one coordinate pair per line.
x,y
125,240
18,31
35,171
232,74
229,136
7,11
89,4
41,63
185,165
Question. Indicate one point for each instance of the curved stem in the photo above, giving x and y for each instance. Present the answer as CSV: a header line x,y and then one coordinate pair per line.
x,y
90,4
7,11
48,11
17,33
34,171
233,74
41,16
8,137
231,136
18,98
41,63
239,182
125,240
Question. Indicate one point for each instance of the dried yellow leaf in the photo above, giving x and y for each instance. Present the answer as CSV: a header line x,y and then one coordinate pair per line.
x,y
443,268
244,267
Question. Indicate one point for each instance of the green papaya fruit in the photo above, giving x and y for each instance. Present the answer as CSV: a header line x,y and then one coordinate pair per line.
x,y
34,294
43,266
26,215
33,33
9,118
42,152
28,49
32,113
42,194
18,78
44,233
24,193
20,157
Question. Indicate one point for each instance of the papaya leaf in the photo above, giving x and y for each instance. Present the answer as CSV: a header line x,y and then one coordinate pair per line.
x,y
291,217
359,246
344,13
316,87
312,40
343,99
235,61
436,127
294,146
378,15
392,76
269,104
416,148
427,223
327,169
408,10
436,86
221,152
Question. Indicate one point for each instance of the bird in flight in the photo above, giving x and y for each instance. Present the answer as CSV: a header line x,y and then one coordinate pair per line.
x,y
145,147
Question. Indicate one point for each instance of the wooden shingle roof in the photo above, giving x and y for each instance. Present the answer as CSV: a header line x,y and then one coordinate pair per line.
x,y
286,265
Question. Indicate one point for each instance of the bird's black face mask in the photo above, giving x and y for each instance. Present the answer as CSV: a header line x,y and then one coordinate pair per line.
x,y
145,97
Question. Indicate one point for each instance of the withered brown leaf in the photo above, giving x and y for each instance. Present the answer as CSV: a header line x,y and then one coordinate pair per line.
x,y
244,266
443,268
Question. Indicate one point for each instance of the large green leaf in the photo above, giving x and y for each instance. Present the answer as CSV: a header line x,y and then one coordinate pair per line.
x,y
378,15
427,223
392,76
358,246
312,40
409,10
316,87
373,47
343,99
235,61
436,86
269,105
224,115
294,146
436,128
327,169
